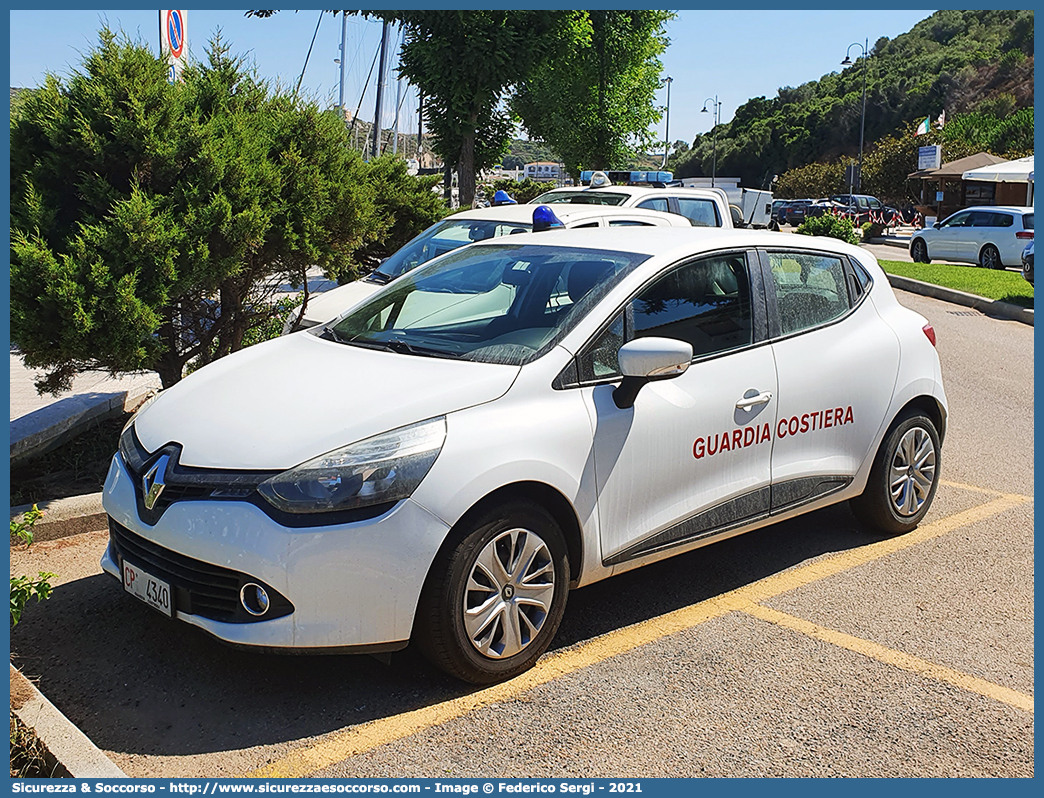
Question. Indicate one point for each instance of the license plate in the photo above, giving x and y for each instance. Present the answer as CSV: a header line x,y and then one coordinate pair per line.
x,y
143,585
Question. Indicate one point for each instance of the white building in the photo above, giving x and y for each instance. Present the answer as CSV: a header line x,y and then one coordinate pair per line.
x,y
544,171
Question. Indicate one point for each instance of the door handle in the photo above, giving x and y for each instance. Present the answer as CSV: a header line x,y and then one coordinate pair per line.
x,y
748,402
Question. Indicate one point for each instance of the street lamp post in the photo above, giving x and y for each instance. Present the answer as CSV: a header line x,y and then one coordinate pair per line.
x,y
862,119
714,134
667,126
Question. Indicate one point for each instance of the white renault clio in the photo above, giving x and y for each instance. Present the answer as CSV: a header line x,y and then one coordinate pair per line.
x,y
516,418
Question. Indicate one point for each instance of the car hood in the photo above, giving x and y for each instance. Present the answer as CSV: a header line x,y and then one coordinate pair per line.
x,y
329,304
279,403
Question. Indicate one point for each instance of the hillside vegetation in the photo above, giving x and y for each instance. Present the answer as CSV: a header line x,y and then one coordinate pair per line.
x,y
977,66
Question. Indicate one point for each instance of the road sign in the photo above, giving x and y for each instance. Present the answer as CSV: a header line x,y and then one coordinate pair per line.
x,y
173,38
929,157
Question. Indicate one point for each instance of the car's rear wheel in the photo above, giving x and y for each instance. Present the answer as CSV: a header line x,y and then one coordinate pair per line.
x,y
989,258
919,251
904,476
495,595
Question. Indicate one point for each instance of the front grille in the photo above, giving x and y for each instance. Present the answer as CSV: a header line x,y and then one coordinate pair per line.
x,y
199,588
189,483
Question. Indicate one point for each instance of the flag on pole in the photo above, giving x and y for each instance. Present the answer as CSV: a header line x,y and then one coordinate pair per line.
x,y
923,127
941,119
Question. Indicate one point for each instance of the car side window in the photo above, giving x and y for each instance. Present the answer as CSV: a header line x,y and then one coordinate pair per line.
x,y
810,289
629,223
983,219
1002,220
657,204
706,302
960,220
601,358
700,212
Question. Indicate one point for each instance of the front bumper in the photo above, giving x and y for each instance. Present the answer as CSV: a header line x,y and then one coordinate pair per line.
x,y
351,585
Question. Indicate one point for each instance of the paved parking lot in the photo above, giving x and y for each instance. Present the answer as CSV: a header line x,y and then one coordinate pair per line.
x,y
809,648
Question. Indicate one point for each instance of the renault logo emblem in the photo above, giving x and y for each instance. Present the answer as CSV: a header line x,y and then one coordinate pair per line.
x,y
152,484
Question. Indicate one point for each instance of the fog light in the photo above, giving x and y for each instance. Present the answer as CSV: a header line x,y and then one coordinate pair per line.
x,y
254,599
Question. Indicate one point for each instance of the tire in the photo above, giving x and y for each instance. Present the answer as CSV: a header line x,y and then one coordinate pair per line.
x,y
919,251
989,258
898,492
522,605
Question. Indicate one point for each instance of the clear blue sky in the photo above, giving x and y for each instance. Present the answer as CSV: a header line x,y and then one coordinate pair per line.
x,y
735,55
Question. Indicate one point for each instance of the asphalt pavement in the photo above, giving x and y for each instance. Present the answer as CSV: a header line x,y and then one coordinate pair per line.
x,y
807,648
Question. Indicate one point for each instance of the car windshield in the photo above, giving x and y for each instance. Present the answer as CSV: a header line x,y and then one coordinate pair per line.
x,y
440,238
580,197
501,303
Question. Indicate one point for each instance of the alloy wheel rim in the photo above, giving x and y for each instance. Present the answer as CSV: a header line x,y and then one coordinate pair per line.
x,y
989,257
913,472
508,593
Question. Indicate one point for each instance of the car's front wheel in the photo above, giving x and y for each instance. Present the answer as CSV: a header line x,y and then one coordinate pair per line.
x,y
495,595
990,258
904,476
919,251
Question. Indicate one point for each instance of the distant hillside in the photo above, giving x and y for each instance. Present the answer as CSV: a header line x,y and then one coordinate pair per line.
x,y
953,61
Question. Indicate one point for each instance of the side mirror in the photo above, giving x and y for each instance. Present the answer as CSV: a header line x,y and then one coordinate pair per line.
x,y
646,359
937,224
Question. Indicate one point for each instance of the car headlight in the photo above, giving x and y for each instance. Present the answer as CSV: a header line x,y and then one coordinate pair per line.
x,y
384,468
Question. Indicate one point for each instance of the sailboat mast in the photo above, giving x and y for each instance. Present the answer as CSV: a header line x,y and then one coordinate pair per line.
x,y
380,91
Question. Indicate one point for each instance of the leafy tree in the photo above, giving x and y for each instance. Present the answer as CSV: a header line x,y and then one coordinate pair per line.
x,y
594,104
811,181
151,223
464,63
404,205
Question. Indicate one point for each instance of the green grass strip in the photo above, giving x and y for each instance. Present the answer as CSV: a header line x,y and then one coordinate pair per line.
x,y
1003,285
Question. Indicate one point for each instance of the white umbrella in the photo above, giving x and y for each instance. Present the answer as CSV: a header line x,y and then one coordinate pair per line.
x,y
1018,171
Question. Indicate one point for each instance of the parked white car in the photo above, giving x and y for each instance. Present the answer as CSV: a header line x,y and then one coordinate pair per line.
x,y
465,228
624,399
704,207
993,237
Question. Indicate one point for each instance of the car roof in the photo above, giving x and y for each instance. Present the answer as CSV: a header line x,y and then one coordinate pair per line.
x,y
674,243
568,214
632,191
1005,208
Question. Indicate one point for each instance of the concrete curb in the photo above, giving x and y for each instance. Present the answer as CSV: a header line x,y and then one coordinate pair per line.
x,y
991,307
69,751
891,241
64,517
50,426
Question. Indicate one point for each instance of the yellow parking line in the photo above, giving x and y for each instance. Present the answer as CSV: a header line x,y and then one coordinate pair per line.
x,y
895,658
772,586
976,488
342,745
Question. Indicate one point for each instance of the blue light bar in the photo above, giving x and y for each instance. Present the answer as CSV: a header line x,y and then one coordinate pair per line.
x,y
631,178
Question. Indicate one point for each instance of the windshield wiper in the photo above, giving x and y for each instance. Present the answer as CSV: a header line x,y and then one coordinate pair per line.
x,y
330,334
405,347
402,347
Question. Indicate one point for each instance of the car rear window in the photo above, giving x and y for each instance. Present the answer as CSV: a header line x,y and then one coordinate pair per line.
x,y
1027,221
580,197
701,212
